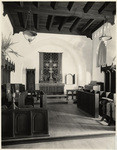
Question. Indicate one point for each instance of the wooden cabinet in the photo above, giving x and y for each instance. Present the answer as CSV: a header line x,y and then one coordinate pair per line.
x,y
24,123
89,102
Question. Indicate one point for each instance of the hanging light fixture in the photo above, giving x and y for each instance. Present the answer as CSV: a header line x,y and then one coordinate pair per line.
x,y
29,34
105,34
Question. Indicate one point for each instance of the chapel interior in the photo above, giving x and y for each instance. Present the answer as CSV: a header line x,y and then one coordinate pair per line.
x,y
58,74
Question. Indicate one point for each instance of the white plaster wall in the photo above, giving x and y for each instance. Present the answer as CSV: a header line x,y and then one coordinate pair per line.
x,y
77,54
73,58
111,51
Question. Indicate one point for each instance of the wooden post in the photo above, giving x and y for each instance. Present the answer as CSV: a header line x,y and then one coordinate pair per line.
x,y
96,105
44,101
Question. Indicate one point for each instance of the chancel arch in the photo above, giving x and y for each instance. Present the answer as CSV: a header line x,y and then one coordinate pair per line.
x,y
71,58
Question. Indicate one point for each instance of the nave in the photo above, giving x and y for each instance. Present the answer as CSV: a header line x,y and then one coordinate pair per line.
x,y
70,127
65,49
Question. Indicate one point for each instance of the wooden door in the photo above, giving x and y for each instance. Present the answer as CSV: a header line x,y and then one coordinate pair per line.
x,y
30,80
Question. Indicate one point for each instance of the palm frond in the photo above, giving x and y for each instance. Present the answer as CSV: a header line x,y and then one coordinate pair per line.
x,y
8,55
12,51
6,43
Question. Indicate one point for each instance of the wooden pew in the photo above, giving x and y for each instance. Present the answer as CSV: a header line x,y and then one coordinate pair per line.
x,y
28,122
89,102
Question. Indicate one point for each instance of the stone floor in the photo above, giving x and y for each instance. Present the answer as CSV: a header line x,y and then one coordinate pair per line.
x,y
70,127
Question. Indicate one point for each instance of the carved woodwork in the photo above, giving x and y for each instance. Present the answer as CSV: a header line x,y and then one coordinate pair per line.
x,y
7,93
107,107
50,70
77,18
109,78
71,95
22,123
50,73
7,124
6,68
26,122
52,88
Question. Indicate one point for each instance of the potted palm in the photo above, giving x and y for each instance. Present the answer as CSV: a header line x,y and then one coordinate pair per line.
x,y
6,47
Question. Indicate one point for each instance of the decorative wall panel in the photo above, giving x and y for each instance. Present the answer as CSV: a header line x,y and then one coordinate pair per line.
x,y
50,67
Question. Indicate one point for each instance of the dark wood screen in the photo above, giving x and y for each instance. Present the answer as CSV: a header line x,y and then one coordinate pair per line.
x,y
50,70
30,79
6,68
5,76
113,81
109,79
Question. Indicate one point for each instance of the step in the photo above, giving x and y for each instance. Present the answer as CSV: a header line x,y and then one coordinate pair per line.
x,y
54,138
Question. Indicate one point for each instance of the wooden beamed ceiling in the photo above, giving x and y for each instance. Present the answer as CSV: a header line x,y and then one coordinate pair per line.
x,y
79,18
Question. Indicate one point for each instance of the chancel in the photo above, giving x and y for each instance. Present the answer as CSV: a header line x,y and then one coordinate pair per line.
x,y
58,74
51,73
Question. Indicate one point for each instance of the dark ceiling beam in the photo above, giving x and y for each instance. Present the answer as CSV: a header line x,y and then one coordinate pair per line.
x,y
87,25
33,24
98,26
111,20
21,4
20,17
103,7
89,36
54,5
114,12
88,6
36,4
64,20
49,22
75,24
24,17
90,32
35,20
59,12
70,5
12,22
53,30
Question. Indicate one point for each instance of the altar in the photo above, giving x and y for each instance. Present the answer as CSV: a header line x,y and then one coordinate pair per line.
x,y
50,73
52,88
